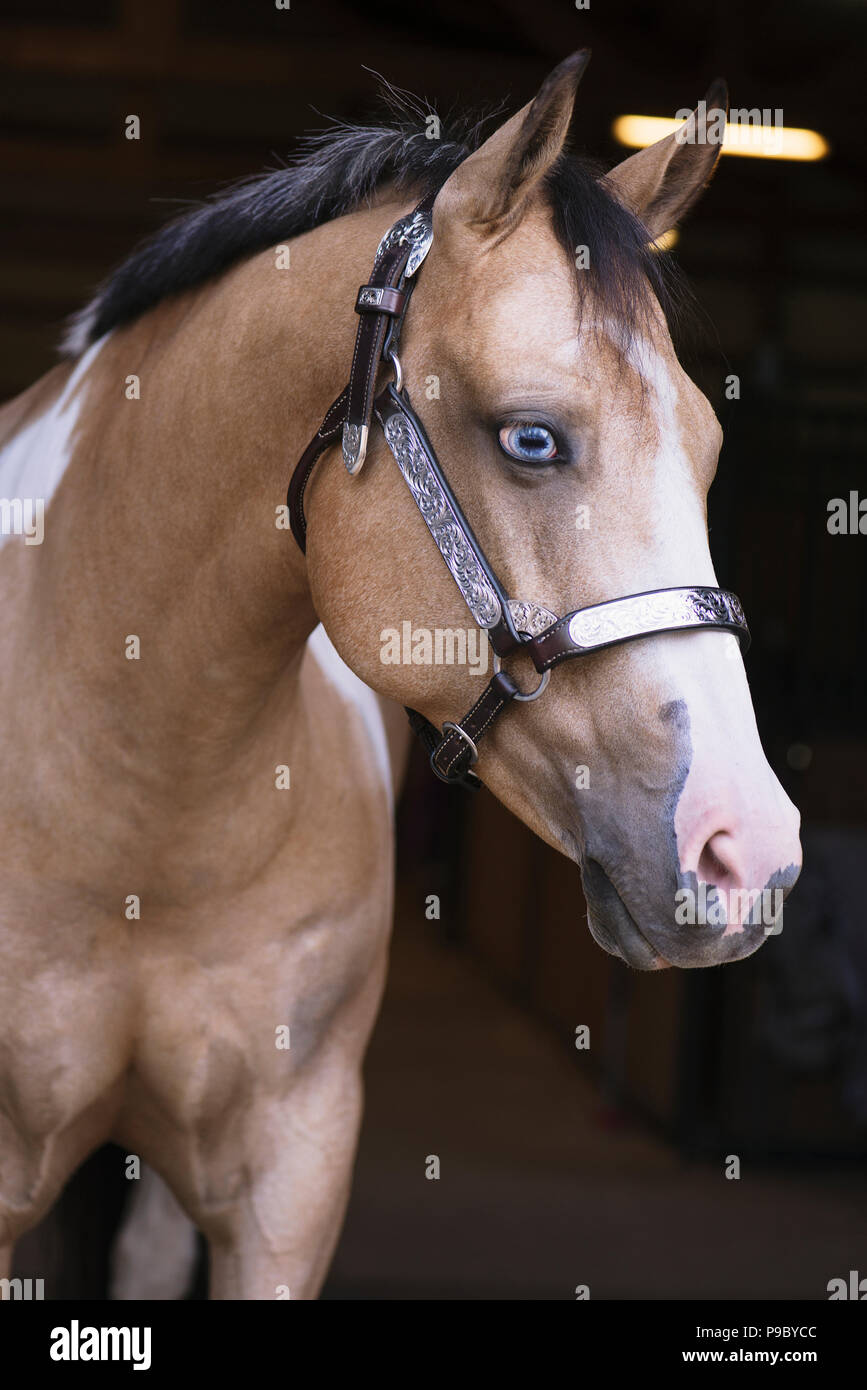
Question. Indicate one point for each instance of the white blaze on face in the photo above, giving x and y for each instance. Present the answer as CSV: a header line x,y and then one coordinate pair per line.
x,y
673,493
734,824
34,460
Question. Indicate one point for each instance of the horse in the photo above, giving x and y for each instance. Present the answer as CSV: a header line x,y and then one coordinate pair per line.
x,y
196,813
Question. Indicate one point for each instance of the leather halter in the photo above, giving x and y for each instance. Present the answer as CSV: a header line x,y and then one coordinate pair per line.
x,y
511,624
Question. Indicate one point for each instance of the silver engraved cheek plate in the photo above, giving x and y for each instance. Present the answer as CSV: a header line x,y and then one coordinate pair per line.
x,y
440,519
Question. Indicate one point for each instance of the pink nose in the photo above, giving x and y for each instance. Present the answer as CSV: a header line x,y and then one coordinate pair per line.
x,y
743,846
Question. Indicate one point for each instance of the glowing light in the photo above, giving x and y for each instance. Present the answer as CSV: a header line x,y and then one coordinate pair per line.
x,y
666,240
742,137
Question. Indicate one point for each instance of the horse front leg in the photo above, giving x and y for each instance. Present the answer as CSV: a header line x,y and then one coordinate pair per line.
x,y
276,1238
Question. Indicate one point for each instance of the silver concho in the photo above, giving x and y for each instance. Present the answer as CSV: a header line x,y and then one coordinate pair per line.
x,y
529,617
625,618
415,231
370,296
716,605
441,521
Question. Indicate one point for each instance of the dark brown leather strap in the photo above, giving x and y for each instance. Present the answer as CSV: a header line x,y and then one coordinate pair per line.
x,y
328,433
378,302
553,646
455,753
380,305
431,737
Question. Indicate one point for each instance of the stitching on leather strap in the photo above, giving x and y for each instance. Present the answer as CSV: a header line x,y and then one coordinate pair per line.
x,y
377,323
462,745
324,427
358,338
539,642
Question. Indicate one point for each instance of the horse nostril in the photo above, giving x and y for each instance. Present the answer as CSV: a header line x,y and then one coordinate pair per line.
x,y
716,863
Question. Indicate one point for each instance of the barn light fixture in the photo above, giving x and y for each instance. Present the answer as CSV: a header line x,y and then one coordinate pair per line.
x,y
742,136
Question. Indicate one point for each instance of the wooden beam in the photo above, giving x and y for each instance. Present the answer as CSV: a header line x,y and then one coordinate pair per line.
x,y
312,69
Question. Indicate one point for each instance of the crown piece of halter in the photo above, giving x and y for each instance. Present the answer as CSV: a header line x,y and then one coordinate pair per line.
x,y
511,624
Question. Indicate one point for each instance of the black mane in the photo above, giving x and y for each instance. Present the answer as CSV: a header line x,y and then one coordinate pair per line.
x,y
342,168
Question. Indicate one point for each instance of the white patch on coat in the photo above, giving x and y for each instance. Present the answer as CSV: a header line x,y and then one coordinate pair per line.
x,y
670,466
656,373
34,460
358,694
79,329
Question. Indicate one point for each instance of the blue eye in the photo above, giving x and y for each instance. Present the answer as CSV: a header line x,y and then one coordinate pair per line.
x,y
529,442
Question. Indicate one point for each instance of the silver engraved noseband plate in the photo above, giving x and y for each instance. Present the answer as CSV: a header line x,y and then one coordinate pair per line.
x,y
625,618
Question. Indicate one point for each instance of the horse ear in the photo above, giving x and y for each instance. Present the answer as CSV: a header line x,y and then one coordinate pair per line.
x,y
661,182
490,188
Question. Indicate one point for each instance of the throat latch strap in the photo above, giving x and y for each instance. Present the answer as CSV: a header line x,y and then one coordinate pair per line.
x,y
454,751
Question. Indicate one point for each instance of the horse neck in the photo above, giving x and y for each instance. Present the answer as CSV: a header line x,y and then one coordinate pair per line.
x,y
166,525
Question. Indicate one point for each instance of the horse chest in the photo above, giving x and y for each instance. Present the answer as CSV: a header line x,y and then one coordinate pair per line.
x,y
65,1024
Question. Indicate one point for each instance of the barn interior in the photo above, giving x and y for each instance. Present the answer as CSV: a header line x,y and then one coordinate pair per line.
x,y
608,1166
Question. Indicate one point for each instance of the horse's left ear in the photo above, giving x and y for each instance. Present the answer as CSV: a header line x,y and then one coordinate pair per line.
x,y
661,182
489,190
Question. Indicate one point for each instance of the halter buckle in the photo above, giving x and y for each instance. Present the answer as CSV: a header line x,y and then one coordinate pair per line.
x,y
474,753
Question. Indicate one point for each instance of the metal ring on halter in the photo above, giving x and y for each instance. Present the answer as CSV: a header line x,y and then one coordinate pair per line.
x,y
398,370
462,733
534,694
